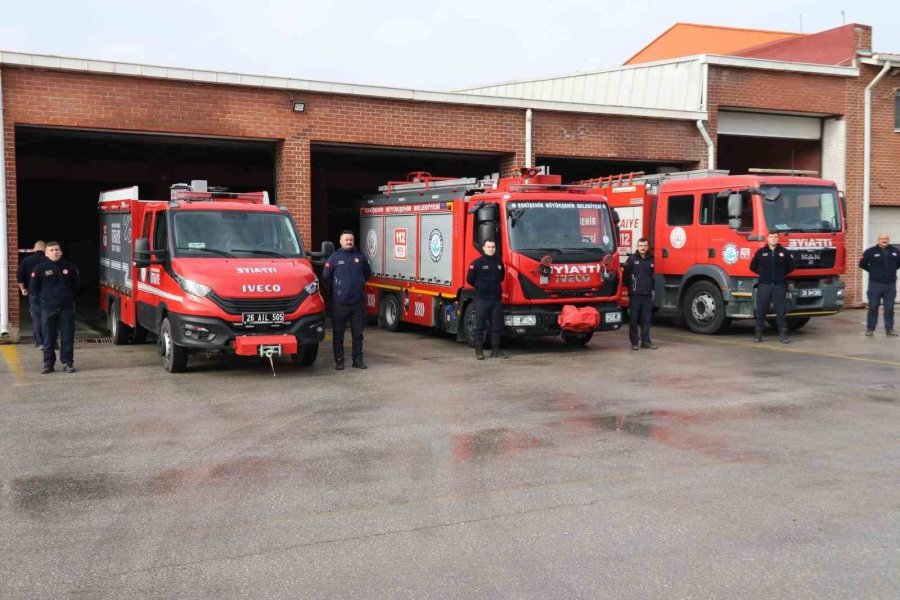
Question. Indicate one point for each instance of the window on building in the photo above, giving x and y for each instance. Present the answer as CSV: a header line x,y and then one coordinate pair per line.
x,y
713,210
680,210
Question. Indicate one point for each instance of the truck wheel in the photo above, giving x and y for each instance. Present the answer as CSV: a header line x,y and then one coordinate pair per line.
x,y
468,324
577,339
704,309
306,355
174,356
793,323
118,331
390,312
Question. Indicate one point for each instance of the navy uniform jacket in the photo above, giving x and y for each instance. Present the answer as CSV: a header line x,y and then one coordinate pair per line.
x,y
486,275
54,284
347,270
881,263
772,266
638,274
23,274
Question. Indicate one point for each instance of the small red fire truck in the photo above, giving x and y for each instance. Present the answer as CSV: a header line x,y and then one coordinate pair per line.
x,y
207,271
705,226
557,244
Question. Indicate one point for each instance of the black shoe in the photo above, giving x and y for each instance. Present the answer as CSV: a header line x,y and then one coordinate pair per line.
x,y
499,354
635,347
479,353
783,338
39,346
757,337
339,364
46,370
69,369
870,332
890,333
359,364
649,345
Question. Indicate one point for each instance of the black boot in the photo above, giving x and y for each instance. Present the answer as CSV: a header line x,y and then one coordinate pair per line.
x,y
479,352
757,337
359,363
783,337
498,353
339,364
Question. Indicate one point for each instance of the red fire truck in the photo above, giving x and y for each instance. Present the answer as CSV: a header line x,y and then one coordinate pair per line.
x,y
557,244
207,271
705,226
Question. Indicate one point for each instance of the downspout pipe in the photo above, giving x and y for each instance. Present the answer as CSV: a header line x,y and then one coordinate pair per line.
x,y
4,238
528,119
867,161
710,147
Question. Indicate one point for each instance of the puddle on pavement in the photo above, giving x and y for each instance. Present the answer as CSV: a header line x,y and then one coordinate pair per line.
x,y
493,442
35,495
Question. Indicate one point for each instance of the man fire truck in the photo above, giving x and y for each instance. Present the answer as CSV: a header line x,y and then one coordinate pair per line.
x,y
207,271
704,227
557,245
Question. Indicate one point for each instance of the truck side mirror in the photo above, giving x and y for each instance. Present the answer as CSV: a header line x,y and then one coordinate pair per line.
x,y
486,218
327,249
142,252
616,217
735,207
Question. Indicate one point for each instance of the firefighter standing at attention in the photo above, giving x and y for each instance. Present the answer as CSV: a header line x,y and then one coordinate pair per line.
x,y
772,263
486,275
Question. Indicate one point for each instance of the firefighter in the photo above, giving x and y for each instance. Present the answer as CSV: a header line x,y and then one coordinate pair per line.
x,y
772,263
347,270
881,261
638,277
486,275
22,275
54,282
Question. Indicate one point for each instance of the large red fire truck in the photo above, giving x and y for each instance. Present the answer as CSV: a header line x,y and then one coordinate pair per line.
x,y
207,271
557,243
705,226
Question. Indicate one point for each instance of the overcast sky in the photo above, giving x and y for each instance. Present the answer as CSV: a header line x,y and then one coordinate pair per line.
x,y
446,46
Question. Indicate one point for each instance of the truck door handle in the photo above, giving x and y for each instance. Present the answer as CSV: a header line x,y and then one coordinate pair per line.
x,y
711,253
665,252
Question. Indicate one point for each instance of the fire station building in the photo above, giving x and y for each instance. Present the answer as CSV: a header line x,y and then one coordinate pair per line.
x,y
697,97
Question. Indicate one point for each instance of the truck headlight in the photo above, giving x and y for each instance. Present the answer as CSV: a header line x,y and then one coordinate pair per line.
x,y
192,287
312,287
520,320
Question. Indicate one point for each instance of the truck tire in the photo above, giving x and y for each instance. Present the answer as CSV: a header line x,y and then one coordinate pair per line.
x,y
306,355
174,357
704,308
390,312
577,339
793,323
118,331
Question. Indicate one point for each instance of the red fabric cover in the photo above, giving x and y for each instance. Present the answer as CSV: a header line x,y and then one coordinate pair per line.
x,y
579,320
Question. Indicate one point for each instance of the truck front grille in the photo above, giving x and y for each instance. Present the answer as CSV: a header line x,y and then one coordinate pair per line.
x,y
236,306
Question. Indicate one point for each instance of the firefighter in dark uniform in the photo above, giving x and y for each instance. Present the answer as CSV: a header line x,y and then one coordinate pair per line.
x,y
347,270
22,276
881,262
772,263
638,276
486,275
53,282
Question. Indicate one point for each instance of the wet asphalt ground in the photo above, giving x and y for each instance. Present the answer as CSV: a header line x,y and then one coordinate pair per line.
x,y
710,468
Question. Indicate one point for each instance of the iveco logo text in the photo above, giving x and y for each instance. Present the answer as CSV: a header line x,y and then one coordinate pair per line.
x,y
251,270
814,243
261,287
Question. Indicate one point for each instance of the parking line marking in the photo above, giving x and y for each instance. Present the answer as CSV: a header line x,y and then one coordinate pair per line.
x,y
10,353
694,338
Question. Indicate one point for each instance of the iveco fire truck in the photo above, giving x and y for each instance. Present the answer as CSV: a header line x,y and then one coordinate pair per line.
x,y
705,226
557,243
207,271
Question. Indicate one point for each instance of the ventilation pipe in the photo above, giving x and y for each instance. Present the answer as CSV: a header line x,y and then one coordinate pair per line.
x,y
528,119
710,147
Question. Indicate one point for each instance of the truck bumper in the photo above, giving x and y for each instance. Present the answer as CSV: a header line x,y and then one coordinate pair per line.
x,y
546,319
212,334
807,297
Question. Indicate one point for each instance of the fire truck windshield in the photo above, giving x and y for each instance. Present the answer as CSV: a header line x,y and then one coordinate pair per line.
x,y
538,228
230,233
803,208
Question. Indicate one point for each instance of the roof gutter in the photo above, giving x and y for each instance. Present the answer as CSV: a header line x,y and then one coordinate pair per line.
x,y
867,157
710,147
4,236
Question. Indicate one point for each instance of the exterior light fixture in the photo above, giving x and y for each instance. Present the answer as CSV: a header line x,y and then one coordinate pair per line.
x,y
299,106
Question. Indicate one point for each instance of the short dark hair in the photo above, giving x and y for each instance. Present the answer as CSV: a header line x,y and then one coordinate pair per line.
x,y
643,240
346,232
773,232
54,244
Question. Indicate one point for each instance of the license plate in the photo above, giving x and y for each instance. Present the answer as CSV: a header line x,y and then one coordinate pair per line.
x,y
262,318
613,317
270,350
808,293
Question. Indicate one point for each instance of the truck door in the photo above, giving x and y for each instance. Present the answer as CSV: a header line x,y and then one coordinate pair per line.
x,y
677,234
